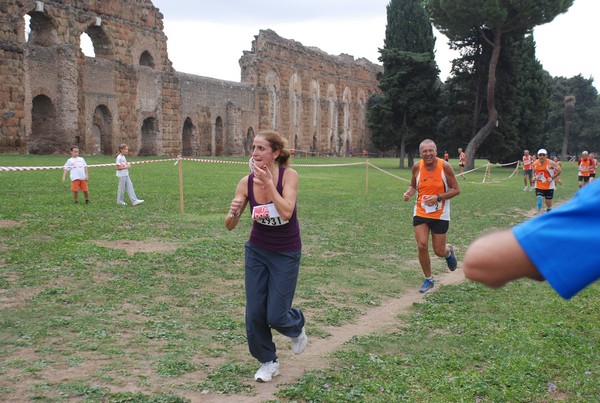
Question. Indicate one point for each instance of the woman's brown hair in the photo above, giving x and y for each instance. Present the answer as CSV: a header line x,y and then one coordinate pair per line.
x,y
277,143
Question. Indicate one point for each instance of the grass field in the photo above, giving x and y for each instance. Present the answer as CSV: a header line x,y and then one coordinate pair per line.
x,y
142,304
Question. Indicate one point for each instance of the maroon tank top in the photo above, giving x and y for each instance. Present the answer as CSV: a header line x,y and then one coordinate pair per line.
x,y
276,238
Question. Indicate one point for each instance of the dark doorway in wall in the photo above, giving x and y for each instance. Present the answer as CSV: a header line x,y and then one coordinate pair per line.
x,y
149,137
102,130
44,137
189,145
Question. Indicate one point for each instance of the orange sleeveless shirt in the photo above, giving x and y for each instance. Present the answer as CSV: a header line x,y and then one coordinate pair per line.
x,y
432,183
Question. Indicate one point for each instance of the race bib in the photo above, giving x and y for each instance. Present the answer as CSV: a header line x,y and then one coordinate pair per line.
x,y
267,214
429,209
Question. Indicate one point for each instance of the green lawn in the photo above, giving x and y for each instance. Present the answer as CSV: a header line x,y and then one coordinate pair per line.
x,y
83,320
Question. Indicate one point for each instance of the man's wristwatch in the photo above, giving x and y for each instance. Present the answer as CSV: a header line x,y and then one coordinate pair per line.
x,y
439,198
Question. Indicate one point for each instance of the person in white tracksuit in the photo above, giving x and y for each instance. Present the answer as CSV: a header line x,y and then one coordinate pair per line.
x,y
125,183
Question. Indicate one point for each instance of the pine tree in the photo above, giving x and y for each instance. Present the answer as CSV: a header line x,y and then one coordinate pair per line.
x,y
492,19
409,82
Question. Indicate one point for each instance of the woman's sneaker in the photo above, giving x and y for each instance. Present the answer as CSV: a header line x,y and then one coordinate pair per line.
x,y
267,371
299,343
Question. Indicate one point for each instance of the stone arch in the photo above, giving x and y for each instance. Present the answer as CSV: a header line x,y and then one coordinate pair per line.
x,y
149,137
315,98
189,135
332,120
103,46
362,119
219,137
43,30
146,59
44,138
102,130
295,108
346,139
273,86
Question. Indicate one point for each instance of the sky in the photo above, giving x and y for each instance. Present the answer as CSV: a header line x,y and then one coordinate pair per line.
x,y
208,37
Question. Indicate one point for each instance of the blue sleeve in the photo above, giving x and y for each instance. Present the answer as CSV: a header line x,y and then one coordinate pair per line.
x,y
564,244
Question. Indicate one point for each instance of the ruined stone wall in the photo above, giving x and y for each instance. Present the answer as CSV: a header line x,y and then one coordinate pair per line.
x,y
318,101
58,91
52,96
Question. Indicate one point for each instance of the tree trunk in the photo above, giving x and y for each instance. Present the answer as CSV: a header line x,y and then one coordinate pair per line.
x,y
569,110
402,149
492,122
403,140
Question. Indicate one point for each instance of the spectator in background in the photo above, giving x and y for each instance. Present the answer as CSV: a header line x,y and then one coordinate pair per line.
x,y
125,184
78,172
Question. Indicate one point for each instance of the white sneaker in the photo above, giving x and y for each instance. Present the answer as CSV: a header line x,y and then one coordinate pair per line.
x,y
121,204
267,371
139,201
525,189
299,343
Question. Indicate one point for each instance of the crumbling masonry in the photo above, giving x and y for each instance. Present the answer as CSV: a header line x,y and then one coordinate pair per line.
x,y
52,96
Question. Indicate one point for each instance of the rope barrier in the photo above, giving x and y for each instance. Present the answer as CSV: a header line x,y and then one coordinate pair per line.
x,y
45,168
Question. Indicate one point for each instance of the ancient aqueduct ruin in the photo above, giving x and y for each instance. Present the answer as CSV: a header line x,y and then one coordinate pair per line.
x,y
52,96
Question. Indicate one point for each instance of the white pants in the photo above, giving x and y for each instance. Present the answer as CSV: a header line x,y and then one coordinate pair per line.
x,y
125,184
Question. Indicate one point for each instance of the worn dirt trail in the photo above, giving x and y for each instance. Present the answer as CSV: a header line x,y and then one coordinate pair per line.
x,y
293,366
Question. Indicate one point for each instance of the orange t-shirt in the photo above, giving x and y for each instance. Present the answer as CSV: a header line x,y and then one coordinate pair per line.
x,y
432,183
527,161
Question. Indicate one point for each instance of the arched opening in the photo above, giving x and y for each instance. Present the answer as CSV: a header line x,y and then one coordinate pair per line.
x,y
219,137
188,136
149,137
41,30
146,59
44,138
346,139
86,45
248,141
100,42
102,131
26,28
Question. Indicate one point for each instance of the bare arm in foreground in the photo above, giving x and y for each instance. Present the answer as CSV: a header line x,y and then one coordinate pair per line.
x,y
497,258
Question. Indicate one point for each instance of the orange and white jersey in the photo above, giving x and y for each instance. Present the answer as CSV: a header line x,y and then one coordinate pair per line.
x,y
585,167
543,176
432,183
527,161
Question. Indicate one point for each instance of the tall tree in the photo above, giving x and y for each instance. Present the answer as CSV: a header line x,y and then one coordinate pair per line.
x,y
493,19
569,112
409,81
581,122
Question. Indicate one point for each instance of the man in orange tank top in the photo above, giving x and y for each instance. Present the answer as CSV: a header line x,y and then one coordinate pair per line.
x,y
434,182
584,169
462,161
546,172
527,170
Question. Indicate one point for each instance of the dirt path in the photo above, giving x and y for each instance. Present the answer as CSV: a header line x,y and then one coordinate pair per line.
x,y
292,366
